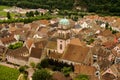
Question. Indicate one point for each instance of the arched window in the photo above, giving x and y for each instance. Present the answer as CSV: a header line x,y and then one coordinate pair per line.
x,y
60,46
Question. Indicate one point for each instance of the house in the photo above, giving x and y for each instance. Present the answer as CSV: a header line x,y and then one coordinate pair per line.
x,y
101,56
6,41
77,54
113,72
91,71
18,56
116,53
3,51
29,43
59,76
83,69
35,55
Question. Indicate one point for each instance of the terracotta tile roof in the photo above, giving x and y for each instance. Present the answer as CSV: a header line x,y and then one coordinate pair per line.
x,y
51,45
54,55
101,51
76,41
43,22
29,43
2,50
36,53
7,40
117,35
116,69
43,30
108,76
40,44
109,44
106,33
93,77
11,29
83,69
58,76
76,53
19,25
104,64
12,25
19,53
34,26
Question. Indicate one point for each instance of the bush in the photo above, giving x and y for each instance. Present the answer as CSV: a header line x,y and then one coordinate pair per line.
x,y
16,45
22,69
53,64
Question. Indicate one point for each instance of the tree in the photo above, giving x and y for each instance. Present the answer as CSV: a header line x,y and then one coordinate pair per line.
x,y
44,63
36,13
82,77
22,69
41,75
31,13
66,70
8,15
106,26
32,64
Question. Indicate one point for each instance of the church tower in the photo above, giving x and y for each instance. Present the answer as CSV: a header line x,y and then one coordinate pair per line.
x,y
63,35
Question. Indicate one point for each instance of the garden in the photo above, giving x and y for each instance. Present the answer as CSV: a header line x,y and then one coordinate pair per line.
x,y
7,73
16,45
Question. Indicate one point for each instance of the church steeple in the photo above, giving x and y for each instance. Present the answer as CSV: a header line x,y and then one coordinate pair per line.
x,y
63,35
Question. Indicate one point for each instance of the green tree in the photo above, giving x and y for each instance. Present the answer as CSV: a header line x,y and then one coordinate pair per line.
x,y
44,63
32,64
8,15
82,77
41,75
106,26
22,69
36,13
66,70
31,14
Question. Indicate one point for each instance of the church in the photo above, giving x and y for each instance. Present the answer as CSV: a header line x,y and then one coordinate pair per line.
x,y
67,48
63,37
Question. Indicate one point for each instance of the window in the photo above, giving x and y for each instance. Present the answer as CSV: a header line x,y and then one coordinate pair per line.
x,y
60,46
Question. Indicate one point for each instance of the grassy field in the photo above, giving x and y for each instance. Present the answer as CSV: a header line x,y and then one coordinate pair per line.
x,y
3,13
7,73
4,7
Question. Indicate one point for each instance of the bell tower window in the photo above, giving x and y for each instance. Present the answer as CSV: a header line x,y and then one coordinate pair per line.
x,y
61,46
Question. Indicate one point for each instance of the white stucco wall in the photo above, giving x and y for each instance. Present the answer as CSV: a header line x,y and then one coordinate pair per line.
x,y
16,61
63,43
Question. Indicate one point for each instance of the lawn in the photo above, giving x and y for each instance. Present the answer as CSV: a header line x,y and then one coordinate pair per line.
x,y
4,7
7,73
3,13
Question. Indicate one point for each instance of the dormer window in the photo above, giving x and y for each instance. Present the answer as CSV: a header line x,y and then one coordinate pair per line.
x,y
97,73
116,48
117,60
95,58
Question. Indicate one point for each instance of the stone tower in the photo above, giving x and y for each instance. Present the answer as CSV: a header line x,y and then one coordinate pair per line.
x,y
63,35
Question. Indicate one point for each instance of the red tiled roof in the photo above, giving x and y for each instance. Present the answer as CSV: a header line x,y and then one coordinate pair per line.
x,y
29,43
7,40
76,53
82,69
36,53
